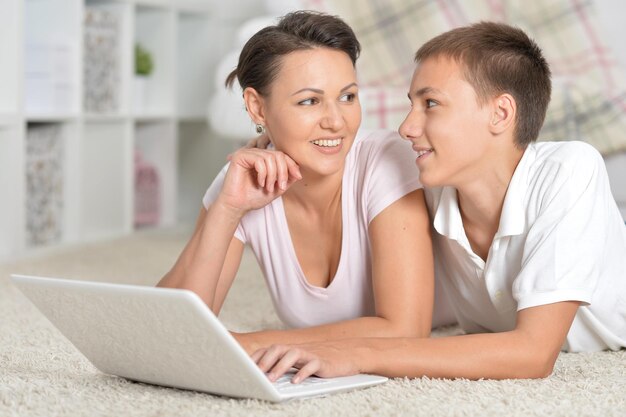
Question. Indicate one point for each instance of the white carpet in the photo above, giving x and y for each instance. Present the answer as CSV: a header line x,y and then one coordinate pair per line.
x,y
41,374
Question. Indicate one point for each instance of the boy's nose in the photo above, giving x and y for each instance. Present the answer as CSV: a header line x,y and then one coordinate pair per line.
x,y
411,127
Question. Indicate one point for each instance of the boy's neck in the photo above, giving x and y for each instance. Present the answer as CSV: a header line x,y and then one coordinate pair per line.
x,y
481,201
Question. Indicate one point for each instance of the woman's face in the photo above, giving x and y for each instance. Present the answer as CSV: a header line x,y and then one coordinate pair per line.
x,y
312,111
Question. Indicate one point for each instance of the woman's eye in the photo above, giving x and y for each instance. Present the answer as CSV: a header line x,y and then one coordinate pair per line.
x,y
348,97
308,102
430,103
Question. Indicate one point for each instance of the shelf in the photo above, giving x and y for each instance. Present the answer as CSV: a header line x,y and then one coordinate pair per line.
x,y
50,183
10,46
105,189
155,117
51,117
11,184
156,142
154,31
154,3
188,118
51,56
106,62
95,117
8,119
71,118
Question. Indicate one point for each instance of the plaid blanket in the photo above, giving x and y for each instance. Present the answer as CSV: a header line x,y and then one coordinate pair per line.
x,y
589,92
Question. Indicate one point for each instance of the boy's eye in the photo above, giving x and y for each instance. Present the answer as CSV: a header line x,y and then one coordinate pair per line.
x,y
349,97
430,103
308,102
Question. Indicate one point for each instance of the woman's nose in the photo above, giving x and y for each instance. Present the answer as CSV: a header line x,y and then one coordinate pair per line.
x,y
333,118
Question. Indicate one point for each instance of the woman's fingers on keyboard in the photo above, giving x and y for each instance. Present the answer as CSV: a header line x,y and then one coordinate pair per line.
x,y
309,368
276,360
284,363
267,358
257,355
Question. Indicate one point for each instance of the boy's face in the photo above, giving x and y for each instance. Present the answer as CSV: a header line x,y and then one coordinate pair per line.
x,y
447,126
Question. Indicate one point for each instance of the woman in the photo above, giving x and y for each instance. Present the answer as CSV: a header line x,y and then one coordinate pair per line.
x,y
320,209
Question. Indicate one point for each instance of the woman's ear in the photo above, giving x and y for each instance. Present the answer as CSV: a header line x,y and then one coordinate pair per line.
x,y
504,109
255,105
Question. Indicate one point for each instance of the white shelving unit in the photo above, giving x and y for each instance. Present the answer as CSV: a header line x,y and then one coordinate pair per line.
x,y
43,72
10,62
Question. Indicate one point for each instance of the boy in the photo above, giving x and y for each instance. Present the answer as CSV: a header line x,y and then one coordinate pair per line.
x,y
529,243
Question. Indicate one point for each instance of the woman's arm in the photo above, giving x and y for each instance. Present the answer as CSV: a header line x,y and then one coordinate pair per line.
x,y
211,258
402,271
528,351
209,261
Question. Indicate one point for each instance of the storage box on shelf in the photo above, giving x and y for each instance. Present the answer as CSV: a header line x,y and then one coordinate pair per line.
x,y
51,183
108,59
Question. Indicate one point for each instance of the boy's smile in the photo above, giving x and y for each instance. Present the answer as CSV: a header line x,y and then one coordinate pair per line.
x,y
447,126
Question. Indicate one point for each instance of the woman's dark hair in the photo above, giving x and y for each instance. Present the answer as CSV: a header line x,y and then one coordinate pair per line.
x,y
261,57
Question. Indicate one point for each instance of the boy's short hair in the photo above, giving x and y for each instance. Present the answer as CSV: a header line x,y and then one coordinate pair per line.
x,y
498,58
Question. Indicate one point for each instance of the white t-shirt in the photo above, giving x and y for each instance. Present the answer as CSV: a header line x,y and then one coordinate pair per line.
x,y
561,237
379,170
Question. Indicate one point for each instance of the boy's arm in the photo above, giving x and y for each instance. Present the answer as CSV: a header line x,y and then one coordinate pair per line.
x,y
528,351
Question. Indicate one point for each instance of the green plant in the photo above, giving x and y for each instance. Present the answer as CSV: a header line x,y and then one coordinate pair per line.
x,y
143,61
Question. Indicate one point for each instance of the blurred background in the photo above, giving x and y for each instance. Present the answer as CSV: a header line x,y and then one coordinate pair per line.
x,y
114,117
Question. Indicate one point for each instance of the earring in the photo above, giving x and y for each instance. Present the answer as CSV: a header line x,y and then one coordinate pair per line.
x,y
260,129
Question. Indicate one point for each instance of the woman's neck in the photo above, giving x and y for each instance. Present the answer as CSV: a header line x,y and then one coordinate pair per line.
x,y
316,193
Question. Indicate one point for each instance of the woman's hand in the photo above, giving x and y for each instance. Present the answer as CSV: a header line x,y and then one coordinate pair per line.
x,y
326,360
255,177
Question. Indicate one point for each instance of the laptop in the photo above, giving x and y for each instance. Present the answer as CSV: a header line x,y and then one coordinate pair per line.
x,y
164,336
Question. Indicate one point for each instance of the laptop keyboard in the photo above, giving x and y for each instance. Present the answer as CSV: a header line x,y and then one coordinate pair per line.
x,y
284,383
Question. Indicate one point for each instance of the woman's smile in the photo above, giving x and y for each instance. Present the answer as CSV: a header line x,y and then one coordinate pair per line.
x,y
328,146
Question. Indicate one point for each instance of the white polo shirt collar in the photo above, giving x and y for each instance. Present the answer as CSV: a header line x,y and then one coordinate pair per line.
x,y
447,219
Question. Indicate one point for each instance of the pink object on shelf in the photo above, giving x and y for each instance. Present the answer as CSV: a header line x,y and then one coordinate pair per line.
x,y
147,193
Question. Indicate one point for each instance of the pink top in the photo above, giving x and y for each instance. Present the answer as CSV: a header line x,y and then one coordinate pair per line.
x,y
380,169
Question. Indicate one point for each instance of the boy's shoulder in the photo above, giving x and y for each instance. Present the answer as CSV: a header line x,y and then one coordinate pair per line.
x,y
575,159
565,150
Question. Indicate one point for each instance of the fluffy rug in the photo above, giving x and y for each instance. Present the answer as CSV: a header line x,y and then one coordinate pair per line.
x,y
42,374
